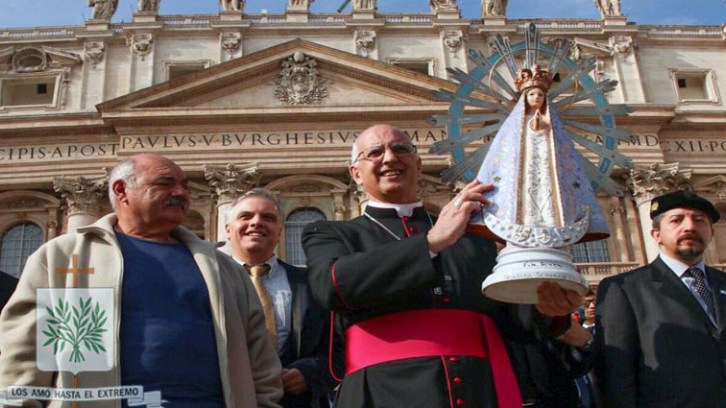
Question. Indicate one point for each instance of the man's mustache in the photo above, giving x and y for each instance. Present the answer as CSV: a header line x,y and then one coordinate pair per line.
x,y
175,202
691,237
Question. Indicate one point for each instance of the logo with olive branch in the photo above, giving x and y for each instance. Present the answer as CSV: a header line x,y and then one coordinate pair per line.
x,y
77,326
74,331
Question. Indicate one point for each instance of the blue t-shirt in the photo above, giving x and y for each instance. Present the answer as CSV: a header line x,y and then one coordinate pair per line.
x,y
167,339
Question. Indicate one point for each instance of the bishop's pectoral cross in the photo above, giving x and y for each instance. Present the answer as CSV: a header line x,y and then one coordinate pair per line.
x,y
75,270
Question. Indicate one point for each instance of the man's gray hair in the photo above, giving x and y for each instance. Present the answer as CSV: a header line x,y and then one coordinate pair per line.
x,y
255,192
657,220
126,171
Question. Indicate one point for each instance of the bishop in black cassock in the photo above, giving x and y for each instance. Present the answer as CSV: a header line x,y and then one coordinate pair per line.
x,y
401,280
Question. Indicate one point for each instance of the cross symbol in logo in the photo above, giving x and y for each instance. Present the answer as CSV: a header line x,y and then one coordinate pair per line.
x,y
75,270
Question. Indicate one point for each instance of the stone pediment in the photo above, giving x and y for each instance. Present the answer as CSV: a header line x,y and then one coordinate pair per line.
x,y
36,59
291,78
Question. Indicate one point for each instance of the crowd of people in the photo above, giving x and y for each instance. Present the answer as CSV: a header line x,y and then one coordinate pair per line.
x,y
388,312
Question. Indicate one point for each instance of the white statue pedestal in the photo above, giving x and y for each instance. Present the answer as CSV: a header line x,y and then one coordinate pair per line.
x,y
145,16
295,16
230,15
618,21
97,25
519,272
494,20
364,14
448,14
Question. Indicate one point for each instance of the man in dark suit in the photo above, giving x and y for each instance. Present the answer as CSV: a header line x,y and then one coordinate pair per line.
x,y
407,286
661,326
7,287
296,324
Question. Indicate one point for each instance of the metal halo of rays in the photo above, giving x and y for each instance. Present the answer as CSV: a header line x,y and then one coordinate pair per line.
x,y
477,90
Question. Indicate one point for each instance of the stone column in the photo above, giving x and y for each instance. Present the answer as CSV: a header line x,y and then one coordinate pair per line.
x,y
454,49
627,68
141,66
632,231
339,204
83,198
51,226
647,183
52,229
361,198
229,182
616,212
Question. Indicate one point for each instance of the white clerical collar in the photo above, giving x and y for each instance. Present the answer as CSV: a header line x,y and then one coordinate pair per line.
x,y
272,261
403,210
678,267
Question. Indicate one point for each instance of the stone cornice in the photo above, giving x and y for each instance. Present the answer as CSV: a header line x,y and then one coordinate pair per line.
x,y
396,21
266,61
318,114
71,124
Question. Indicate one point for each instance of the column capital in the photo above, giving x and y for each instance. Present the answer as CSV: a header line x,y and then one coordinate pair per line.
x,y
82,195
657,179
231,180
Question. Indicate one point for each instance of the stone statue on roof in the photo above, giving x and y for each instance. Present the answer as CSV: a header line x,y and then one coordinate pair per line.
x,y
365,5
147,5
232,5
493,8
608,8
299,3
438,5
102,9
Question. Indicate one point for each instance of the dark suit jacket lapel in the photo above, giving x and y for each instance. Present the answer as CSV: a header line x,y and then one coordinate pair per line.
x,y
298,288
668,283
717,280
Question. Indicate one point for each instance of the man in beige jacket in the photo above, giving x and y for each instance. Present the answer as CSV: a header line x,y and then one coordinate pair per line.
x,y
185,322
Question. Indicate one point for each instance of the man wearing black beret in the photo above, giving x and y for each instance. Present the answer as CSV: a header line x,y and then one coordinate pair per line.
x,y
661,326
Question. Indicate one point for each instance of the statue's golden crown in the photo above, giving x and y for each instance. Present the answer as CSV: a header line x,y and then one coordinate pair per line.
x,y
533,77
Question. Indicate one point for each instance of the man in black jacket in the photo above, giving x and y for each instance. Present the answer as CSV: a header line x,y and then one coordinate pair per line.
x,y
419,333
661,326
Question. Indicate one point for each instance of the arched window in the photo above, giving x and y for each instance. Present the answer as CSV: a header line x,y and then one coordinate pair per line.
x,y
591,252
17,244
293,230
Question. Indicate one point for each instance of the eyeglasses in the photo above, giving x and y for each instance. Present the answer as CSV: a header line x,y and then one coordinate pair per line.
x,y
376,153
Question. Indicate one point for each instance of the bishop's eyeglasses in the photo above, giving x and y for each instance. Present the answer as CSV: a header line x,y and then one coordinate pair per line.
x,y
376,153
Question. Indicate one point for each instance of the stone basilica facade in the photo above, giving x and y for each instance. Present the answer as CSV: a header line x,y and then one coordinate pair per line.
x,y
275,101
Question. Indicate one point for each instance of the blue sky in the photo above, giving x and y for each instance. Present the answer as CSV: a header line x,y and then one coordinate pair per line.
x,y
29,13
